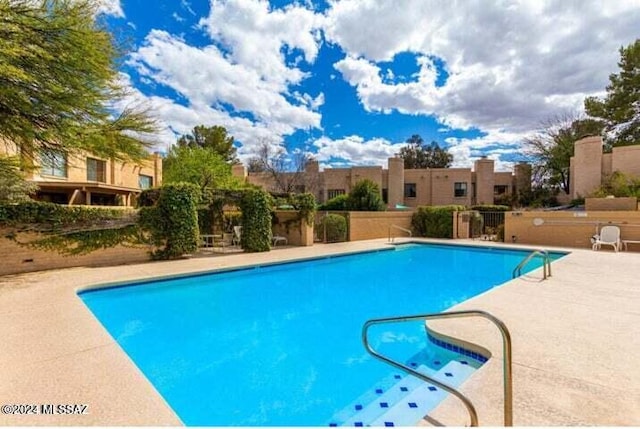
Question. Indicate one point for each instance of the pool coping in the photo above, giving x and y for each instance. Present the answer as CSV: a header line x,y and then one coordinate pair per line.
x,y
55,350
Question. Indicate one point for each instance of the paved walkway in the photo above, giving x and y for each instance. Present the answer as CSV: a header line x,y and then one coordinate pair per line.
x,y
575,338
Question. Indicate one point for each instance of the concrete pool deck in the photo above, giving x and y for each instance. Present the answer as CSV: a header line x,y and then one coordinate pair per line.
x,y
576,341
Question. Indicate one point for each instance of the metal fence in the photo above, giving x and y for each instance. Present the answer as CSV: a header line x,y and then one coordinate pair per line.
x,y
488,226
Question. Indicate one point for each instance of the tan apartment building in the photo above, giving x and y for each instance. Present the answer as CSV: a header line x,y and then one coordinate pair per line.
x,y
89,180
590,166
411,188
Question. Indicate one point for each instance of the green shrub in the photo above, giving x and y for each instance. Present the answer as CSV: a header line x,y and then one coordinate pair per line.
x,y
205,220
172,222
305,203
365,196
491,208
435,221
68,230
256,221
338,203
619,184
50,216
335,226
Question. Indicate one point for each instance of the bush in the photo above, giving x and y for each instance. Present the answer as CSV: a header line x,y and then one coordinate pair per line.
x,y
172,222
338,203
336,228
500,233
256,221
365,196
491,208
305,203
205,220
619,184
435,221
76,230
50,216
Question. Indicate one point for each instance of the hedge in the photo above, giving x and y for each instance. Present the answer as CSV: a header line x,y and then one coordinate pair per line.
x,y
435,221
491,208
75,230
256,221
172,222
336,228
338,203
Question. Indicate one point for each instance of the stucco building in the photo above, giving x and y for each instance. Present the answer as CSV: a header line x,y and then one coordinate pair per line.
x,y
590,166
412,188
87,179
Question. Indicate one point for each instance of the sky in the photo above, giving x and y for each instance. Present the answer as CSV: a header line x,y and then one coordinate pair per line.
x,y
349,81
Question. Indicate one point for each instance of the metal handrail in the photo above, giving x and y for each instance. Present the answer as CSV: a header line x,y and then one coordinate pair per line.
x,y
506,358
546,264
400,228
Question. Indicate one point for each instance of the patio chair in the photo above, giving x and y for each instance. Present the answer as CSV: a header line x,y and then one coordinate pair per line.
x,y
609,235
237,235
279,239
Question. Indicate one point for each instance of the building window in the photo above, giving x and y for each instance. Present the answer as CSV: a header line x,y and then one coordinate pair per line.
x,y
96,170
332,193
53,163
410,190
500,190
145,182
460,189
385,195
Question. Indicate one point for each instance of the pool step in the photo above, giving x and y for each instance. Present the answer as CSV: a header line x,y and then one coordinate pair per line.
x,y
424,398
365,413
401,400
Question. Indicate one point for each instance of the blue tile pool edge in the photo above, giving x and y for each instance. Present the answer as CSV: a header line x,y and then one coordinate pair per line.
x,y
392,247
127,283
456,348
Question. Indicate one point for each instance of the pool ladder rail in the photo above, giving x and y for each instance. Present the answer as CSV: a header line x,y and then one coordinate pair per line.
x,y
546,263
392,227
506,356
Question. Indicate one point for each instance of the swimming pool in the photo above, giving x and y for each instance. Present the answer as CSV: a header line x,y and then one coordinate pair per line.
x,y
280,344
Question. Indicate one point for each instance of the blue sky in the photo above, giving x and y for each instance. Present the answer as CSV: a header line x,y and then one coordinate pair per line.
x,y
349,81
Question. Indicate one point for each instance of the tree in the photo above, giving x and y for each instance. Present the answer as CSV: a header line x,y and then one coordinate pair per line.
x,y
59,82
619,184
417,154
552,148
255,165
198,166
213,138
13,186
286,170
620,108
365,196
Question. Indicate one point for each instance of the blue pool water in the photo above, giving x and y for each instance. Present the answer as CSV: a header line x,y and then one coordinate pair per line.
x,y
280,345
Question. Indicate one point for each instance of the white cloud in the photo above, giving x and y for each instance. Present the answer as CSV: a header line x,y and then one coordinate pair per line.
x,y
111,7
355,149
210,83
175,119
496,143
257,35
510,64
242,80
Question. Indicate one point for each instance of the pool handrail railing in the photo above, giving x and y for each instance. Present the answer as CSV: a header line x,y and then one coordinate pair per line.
x,y
546,263
391,227
506,356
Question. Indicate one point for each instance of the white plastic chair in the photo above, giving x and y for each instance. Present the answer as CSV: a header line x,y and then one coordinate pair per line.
x,y
279,239
237,235
609,235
